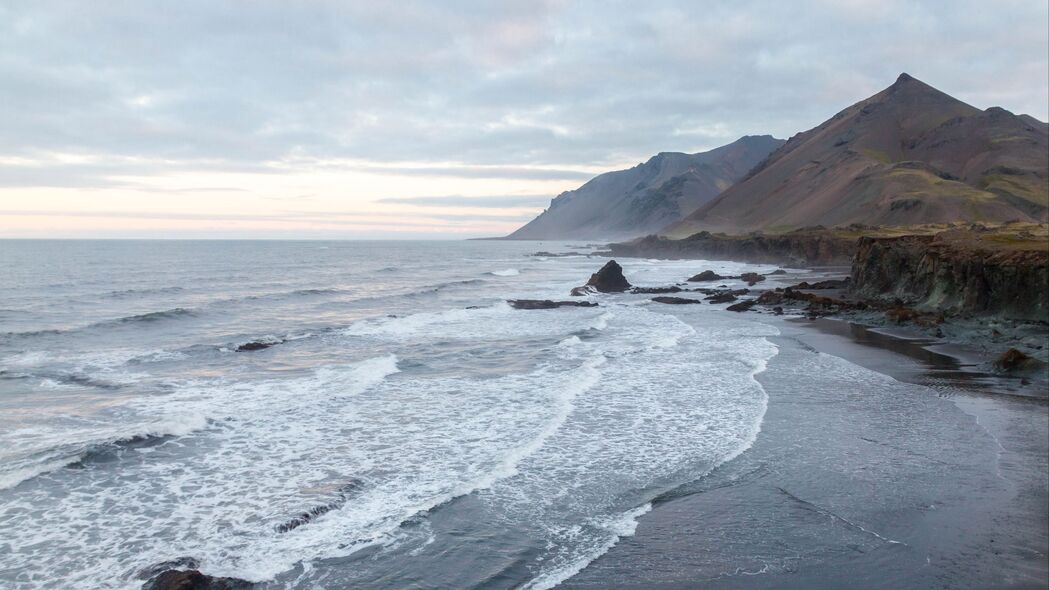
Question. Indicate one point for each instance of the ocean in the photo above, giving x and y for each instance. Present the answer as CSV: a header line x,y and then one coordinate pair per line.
x,y
407,428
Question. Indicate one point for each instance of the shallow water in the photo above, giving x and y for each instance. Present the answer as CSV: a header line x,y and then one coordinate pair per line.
x,y
409,429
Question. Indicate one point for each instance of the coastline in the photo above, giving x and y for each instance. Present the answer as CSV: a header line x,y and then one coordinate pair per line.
x,y
983,526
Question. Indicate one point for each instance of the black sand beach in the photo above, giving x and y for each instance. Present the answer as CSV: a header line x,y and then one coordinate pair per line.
x,y
929,474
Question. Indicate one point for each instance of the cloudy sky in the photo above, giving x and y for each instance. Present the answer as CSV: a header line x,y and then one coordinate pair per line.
x,y
455,119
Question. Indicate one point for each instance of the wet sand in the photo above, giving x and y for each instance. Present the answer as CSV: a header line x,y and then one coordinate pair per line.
x,y
897,467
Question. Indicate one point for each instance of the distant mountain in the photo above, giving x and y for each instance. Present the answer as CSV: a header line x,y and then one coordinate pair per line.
x,y
905,156
647,197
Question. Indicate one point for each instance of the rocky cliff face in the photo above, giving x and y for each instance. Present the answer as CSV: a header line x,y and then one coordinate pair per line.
x,y
957,272
807,247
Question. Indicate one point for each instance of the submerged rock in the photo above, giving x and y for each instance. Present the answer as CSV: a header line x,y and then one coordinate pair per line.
x,y
778,271
193,580
675,300
609,279
258,345
707,275
546,304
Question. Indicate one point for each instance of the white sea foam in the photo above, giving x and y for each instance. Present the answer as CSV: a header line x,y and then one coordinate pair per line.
x,y
509,272
615,527
616,404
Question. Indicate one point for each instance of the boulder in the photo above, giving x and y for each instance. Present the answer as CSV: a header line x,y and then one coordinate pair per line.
x,y
778,271
547,304
675,300
751,278
193,580
609,279
707,275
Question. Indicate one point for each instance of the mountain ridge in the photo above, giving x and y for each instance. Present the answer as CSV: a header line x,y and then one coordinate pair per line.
x,y
645,198
907,155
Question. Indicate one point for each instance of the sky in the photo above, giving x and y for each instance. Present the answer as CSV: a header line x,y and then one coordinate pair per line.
x,y
444,119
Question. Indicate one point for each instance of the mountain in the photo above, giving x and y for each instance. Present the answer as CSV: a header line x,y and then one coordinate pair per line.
x,y
647,197
908,155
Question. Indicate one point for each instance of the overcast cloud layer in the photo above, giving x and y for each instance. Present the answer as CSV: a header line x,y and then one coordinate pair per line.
x,y
116,96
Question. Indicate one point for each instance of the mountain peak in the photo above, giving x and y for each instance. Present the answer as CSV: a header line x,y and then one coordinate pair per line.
x,y
904,78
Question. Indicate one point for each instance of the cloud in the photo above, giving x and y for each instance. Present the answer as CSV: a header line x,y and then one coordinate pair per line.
x,y
500,201
479,82
467,90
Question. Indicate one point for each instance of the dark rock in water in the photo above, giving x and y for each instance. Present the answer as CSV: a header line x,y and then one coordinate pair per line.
x,y
546,304
723,297
751,278
258,345
828,284
609,279
179,563
778,271
771,298
675,300
741,306
581,291
193,580
707,275
777,310
655,290
1014,360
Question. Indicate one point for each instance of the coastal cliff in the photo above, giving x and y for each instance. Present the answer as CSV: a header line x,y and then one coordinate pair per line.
x,y
962,271
808,247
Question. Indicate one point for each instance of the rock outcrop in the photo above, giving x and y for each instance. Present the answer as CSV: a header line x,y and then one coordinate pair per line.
x,y
705,276
609,279
957,272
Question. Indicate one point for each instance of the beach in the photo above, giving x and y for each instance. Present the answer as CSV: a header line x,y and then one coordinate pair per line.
x,y
896,467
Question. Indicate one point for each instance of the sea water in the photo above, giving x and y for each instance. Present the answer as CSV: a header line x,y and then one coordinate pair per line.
x,y
407,427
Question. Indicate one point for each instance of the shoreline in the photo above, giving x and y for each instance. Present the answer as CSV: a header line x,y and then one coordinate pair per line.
x,y
1001,406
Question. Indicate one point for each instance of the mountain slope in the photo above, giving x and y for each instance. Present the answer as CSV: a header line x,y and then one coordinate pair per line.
x,y
905,156
649,196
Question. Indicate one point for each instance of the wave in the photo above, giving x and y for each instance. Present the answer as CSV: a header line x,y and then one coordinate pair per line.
x,y
78,454
509,272
617,527
153,316
125,293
